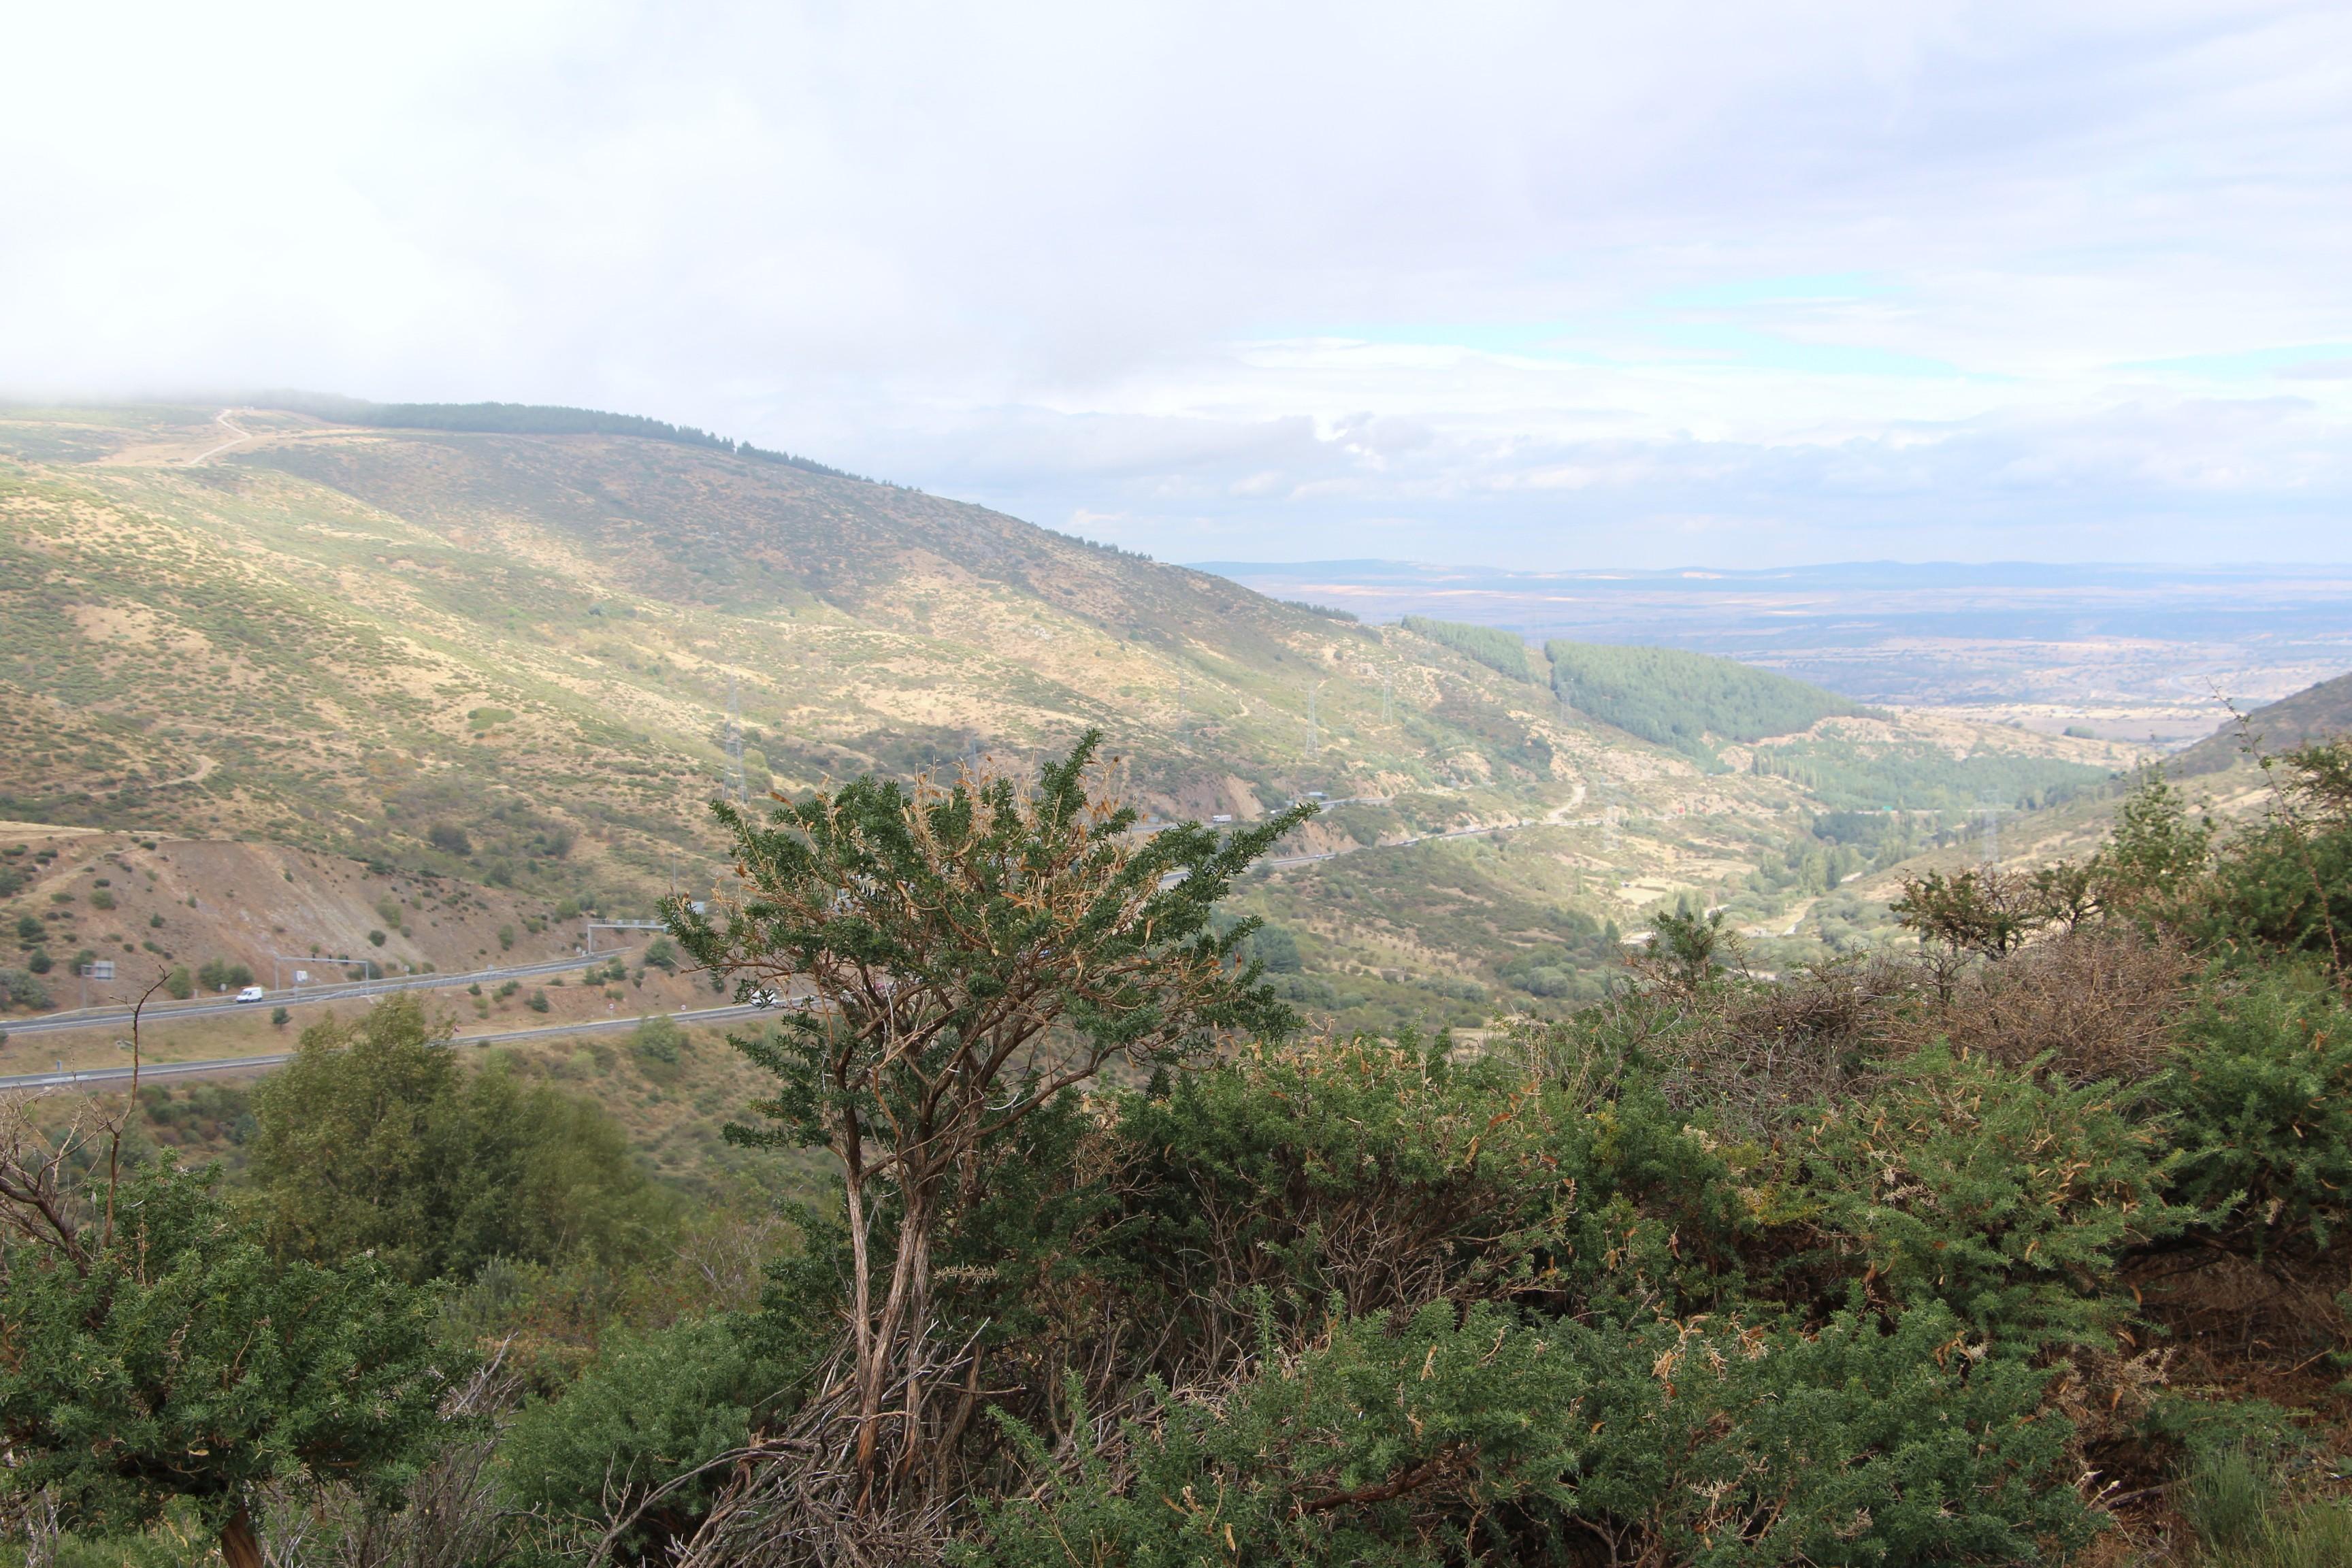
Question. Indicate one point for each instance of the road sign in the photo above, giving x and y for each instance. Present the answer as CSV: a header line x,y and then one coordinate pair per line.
x,y
101,969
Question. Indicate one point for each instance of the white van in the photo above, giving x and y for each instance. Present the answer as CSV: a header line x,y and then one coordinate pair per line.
x,y
252,994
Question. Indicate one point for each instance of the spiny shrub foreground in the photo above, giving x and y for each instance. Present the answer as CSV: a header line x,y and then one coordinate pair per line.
x,y
2026,1248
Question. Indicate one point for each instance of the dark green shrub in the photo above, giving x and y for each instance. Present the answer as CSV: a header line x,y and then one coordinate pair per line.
x,y
648,1411
1857,1444
219,974
1278,1171
1276,949
20,988
1705,1442
1369,1449
2260,1100
179,984
657,1044
2008,1198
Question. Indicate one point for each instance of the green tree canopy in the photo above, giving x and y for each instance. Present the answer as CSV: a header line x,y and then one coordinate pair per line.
x,y
975,950
151,1348
374,1138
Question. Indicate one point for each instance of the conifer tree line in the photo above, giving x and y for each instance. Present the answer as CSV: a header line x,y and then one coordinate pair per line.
x,y
1670,697
2026,1242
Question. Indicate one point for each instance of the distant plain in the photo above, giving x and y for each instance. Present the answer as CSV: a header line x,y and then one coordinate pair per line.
x,y
2127,653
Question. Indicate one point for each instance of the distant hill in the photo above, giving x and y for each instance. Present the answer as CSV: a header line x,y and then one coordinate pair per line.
x,y
1685,700
2316,713
528,419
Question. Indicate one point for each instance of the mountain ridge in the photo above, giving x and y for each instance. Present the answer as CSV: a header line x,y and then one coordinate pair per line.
x,y
515,658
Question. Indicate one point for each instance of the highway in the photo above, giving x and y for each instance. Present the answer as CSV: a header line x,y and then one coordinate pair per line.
x,y
295,996
94,1078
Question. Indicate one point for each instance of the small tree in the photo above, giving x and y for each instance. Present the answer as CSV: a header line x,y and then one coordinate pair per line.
x,y
151,1348
1986,913
2156,857
1688,949
374,1138
974,951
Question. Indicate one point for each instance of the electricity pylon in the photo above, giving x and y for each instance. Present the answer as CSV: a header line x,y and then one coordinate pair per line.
x,y
734,744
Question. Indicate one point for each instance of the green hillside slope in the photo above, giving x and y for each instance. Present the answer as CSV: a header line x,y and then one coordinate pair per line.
x,y
1490,646
1685,700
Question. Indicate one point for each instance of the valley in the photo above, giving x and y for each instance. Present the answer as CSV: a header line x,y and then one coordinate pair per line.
x,y
429,697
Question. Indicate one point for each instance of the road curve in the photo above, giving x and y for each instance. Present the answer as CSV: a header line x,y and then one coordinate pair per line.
x,y
223,420
225,1067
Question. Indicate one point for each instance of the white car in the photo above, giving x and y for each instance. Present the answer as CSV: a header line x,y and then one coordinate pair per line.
x,y
252,994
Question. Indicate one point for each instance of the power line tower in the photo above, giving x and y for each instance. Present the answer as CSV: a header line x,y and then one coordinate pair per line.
x,y
734,744
1387,692
1314,726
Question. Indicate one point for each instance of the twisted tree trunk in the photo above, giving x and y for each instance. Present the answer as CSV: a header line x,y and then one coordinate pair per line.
x,y
240,1547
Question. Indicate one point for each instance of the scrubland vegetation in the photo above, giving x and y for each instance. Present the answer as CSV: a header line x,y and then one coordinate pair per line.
x,y
499,656
2027,1244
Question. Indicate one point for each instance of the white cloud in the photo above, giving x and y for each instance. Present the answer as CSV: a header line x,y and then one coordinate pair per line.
x,y
1540,284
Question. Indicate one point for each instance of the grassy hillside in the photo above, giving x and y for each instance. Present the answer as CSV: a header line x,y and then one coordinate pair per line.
x,y
1683,699
354,638
507,657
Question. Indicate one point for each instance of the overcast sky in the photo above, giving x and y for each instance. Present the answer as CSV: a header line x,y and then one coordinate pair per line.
x,y
1556,286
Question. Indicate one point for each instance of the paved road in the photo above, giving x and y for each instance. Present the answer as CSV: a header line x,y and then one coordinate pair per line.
x,y
223,1066
171,1012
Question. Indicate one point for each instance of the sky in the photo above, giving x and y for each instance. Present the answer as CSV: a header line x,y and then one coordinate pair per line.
x,y
1544,286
